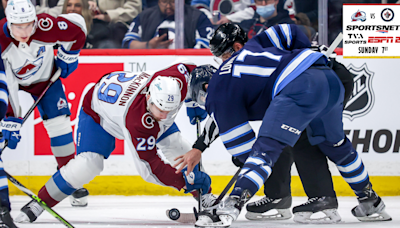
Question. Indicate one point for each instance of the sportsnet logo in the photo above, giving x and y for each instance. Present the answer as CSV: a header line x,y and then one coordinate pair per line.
x,y
362,99
359,16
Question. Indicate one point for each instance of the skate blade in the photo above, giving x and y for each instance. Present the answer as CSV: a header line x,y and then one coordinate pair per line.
x,y
78,202
332,216
281,214
184,218
22,218
226,221
382,216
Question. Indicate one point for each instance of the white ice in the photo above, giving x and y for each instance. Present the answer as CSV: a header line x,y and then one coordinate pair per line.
x,y
149,212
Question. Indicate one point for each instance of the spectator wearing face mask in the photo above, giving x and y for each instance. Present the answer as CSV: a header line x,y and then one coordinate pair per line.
x,y
266,16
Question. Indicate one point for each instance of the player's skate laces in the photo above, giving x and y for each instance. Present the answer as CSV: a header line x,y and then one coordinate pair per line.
x,y
325,204
79,198
29,212
371,207
5,218
256,209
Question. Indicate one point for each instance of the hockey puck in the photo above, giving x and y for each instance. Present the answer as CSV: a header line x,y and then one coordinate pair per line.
x,y
174,214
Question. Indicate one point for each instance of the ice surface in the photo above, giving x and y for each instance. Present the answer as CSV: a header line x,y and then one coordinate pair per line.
x,y
149,212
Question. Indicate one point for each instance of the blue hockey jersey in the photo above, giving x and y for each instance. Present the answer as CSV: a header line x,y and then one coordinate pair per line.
x,y
245,84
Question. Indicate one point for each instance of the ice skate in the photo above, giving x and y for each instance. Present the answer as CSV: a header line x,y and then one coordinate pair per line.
x,y
29,212
325,204
226,212
371,207
5,218
79,198
208,200
256,210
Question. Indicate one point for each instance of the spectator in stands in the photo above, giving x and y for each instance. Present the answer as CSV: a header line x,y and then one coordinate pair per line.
x,y
150,3
266,16
80,7
305,25
244,11
144,30
111,20
52,7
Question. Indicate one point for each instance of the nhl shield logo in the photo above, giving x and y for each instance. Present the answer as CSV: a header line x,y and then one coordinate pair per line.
x,y
362,99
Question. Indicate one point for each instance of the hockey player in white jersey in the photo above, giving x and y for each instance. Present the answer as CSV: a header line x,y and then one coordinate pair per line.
x,y
139,108
27,41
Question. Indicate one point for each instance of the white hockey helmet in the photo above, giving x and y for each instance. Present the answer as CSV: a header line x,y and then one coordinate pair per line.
x,y
19,12
165,93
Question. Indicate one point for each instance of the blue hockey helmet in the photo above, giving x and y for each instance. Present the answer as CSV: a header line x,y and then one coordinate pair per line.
x,y
199,77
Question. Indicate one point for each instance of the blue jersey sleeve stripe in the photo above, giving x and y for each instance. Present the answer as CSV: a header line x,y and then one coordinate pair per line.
x,y
235,131
3,99
296,66
3,87
239,136
241,144
286,31
241,148
274,37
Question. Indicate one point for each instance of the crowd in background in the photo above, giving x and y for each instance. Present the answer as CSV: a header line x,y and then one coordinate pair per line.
x,y
149,24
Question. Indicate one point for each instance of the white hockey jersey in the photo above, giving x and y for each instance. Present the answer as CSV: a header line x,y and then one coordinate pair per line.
x,y
118,103
29,66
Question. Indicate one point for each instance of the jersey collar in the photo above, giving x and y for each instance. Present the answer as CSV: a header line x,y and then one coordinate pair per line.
x,y
5,30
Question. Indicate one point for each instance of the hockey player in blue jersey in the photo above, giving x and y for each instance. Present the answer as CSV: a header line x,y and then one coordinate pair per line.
x,y
277,79
9,131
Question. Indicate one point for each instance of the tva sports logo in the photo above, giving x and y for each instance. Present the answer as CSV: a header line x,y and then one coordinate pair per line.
x,y
362,99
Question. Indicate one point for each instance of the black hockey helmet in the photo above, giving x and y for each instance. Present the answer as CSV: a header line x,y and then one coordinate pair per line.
x,y
224,38
199,77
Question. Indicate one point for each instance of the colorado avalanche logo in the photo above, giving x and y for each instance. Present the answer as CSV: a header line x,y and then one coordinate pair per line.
x,y
359,16
28,69
45,24
148,121
62,103
362,99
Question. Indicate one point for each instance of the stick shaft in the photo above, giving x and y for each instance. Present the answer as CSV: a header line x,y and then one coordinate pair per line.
x,y
38,200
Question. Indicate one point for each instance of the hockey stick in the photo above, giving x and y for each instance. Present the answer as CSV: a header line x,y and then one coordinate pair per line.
x,y
38,200
334,45
17,183
228,186
199,192
176,215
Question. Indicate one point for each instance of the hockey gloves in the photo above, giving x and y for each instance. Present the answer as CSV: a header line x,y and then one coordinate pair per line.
x,y
195,112
196,180
10,129
67,61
